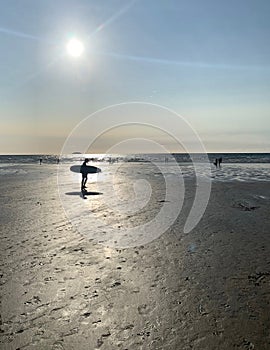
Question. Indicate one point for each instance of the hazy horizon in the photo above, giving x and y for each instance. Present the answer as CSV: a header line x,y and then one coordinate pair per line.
x,y
117,154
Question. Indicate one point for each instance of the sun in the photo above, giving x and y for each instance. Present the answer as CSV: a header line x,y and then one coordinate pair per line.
x,y
75,47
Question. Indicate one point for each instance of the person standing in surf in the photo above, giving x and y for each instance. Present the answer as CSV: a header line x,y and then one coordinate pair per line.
x,y
219,162
84,173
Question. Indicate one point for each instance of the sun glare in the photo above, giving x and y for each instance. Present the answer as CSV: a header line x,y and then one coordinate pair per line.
x,y
75,48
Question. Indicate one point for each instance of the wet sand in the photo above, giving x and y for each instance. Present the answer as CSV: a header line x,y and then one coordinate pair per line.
x,y
209,289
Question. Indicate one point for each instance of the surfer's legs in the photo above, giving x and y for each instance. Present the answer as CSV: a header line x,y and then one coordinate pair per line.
x,y
84,180
82,184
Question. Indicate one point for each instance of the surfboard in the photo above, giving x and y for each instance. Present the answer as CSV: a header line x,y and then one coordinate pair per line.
x,y
90,169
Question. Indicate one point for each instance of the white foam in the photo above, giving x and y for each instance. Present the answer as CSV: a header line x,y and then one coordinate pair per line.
x,y
11,170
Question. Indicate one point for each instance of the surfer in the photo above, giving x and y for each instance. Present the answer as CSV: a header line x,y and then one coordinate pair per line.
x,y
83,171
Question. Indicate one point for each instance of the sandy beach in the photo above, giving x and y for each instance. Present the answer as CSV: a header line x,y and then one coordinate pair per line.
x,y
208,289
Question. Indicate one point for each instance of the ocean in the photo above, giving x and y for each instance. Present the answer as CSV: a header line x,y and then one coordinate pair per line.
x,y
235,166
179,157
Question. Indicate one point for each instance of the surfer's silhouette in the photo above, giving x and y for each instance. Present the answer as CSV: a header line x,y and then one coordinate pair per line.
x,y
84,173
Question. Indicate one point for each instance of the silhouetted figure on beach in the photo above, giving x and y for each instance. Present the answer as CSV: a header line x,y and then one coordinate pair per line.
x,y
57,160
84,173
40,161
219,162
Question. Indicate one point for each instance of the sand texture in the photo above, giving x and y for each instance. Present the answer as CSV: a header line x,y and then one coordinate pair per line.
x,y
209,289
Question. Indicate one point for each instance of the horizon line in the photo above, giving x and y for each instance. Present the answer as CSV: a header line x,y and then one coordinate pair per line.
x,y
128,153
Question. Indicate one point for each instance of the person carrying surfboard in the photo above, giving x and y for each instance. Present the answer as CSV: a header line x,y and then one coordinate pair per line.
x,y
84,172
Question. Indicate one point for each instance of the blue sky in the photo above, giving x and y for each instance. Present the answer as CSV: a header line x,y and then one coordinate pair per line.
x,y
207,60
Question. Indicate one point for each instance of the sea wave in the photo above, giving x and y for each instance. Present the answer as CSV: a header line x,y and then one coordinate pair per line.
x,y
228,158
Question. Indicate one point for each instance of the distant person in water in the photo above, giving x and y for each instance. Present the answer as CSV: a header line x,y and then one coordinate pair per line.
x,y
219,161
40,161
84,173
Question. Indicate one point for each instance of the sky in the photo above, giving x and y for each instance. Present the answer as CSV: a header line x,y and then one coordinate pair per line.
x,y
209,61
